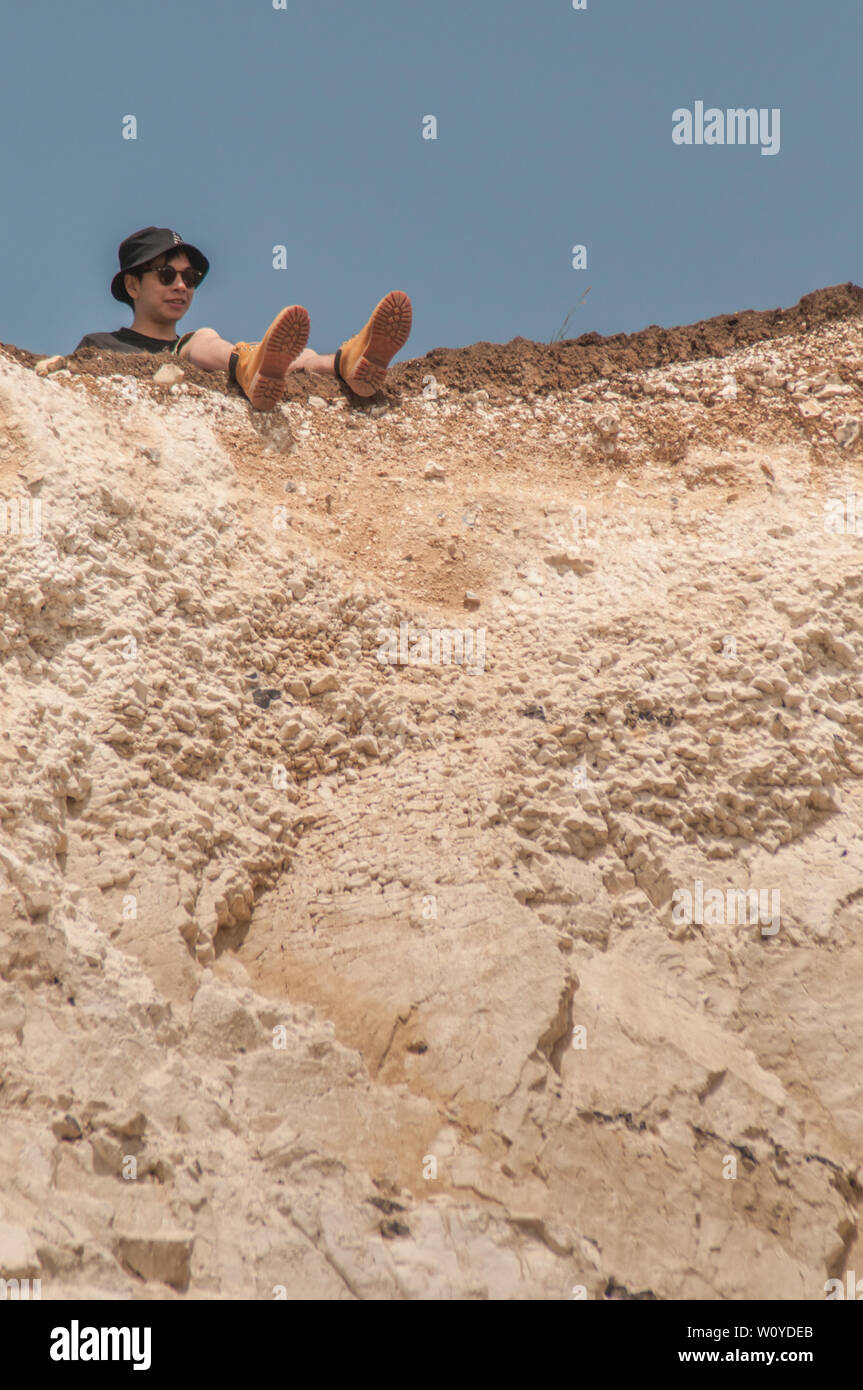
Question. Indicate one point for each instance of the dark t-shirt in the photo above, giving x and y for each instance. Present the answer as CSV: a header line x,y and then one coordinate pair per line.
x,y
127,340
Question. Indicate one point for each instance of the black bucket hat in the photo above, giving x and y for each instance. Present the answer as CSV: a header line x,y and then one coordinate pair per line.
x,y
144,246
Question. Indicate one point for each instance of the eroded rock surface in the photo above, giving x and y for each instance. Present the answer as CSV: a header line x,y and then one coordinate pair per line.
x,y
332,976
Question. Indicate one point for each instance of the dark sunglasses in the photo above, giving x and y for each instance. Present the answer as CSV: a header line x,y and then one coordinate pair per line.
x,y
168,273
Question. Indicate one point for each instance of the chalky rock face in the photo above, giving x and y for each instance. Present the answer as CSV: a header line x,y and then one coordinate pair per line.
x,y
336,963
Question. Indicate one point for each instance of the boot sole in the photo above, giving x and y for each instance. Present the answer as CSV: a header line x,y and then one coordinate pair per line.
x,y
284,341
390,329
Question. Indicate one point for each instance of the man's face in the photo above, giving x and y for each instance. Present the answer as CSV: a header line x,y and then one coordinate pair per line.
x,y
153,300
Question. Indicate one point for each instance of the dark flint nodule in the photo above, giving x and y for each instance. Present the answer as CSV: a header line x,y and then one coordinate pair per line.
x,y
391,1229
385,1205
263,698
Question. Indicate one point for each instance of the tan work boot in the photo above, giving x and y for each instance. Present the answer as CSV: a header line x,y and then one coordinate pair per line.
x,y
362,361
261,367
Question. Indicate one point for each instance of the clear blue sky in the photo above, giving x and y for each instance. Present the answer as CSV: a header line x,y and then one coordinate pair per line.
x,y
303,127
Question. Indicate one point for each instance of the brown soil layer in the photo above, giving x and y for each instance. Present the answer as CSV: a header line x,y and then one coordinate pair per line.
x,y
524,367
539,367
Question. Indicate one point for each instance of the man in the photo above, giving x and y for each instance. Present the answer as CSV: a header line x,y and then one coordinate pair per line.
x,y
158,275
